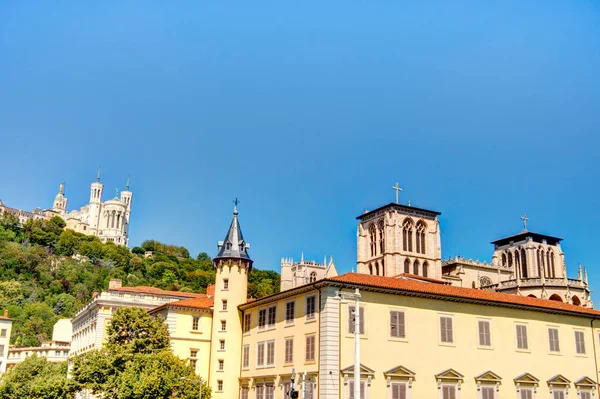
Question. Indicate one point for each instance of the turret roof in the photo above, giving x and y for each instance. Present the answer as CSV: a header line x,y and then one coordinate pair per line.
x,y
234,246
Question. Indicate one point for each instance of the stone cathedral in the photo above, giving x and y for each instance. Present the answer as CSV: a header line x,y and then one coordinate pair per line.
x,y
398,239
108,220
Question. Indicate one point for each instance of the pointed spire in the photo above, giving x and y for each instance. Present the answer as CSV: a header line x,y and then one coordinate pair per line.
x,y
579,277
234,245
585,276
98,177
325,260
127,185
302,258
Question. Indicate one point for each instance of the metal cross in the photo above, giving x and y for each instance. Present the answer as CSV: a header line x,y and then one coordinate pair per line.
x,y
236,201
525,219
397,188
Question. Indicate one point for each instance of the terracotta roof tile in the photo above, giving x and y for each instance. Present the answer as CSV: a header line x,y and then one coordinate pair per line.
x,y
394,283
157,291
414,276
198,303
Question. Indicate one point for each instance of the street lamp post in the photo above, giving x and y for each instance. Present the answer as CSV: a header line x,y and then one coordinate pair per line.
x,y
356,297
198,381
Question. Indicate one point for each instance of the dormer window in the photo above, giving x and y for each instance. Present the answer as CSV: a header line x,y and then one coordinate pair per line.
x,y
242,246
228,245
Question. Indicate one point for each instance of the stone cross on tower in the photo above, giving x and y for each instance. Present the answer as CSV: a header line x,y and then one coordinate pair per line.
x,y
397,188
525,219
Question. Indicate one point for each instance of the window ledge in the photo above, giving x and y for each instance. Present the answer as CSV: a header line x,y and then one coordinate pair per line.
x,y
581,355
266,329
196,331
486,348
311,320
555,353
448,344
523,350
397,339
220,350
289,324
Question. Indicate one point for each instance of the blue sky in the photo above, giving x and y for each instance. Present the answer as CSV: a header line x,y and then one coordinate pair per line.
x,y
309,112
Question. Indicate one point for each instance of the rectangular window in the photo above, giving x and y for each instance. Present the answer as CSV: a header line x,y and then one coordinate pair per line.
x,y
487,392
311,302
289,350
221,364
485,338
245,392
225,284
222,344
272,316
260,354
351,320
223,325
247,321
579,343
448,392
310,348
558,394
195,323
398,391
351,389
287,385
270,353
3,333
522,337
2,350
290,312
224,307
446,329
246,356
397,324
269,391
553,340
526,393
193,352
262,319
219,385
193,363
585,395
260,392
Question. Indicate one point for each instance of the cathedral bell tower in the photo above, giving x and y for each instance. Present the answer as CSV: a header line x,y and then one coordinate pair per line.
x,y
60,201
232,265
95,202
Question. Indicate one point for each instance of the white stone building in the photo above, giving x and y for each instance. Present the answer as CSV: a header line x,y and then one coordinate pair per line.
x,y
5,328
108,220
294,274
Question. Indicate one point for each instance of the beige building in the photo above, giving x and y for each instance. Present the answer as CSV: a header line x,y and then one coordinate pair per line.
x,y
294,274
108,220
5,329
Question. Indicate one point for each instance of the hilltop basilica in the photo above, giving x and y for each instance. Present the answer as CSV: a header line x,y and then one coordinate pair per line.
x,y
108,220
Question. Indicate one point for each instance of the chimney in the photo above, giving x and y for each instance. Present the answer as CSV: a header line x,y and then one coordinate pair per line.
x,y
115,283
210,290
6,313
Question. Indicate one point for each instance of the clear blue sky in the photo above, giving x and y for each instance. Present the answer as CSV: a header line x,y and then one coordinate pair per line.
x,y
309,112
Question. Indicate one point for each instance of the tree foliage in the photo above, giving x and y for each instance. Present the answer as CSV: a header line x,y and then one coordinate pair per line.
x,y
36,378
136,362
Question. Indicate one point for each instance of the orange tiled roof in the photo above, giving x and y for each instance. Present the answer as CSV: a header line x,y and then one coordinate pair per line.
x,y
429,279
394,283
157,291
198,303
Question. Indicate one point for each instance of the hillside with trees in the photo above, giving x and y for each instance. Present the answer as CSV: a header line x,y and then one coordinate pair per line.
x,y
48,272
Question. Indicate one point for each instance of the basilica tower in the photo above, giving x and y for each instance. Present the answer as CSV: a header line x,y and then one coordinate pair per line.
x,y
60,201
232,265
95,203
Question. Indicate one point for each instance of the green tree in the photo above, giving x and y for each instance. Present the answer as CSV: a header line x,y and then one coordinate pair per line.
x,y
68,243
137,250
36,378
136,362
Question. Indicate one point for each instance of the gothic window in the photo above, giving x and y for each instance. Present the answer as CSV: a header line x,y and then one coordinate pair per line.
x,y
406,266
407,232
313,277
504,260
517,260
541,266
483,281
376,269
370,269
416,267
510,260
382,267
523,264
381,237
550,263
372,236
425,266
420,237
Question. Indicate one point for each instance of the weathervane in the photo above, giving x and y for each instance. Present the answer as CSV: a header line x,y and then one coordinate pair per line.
x,y
116,193
525,219
235,204
397,188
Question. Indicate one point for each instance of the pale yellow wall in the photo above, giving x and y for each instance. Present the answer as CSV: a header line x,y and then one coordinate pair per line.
x,y
298,330
5,325
423,353
184,339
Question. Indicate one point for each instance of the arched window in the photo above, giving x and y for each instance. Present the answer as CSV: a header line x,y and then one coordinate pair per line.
x,y
576,300
376,269
504,260
517,259
373,237
370,269
416,267
313,277
555,297
523,264
425,266
510,260
406,266
382,267
485,280
407,231
381,237
550,263
541,266
420,237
